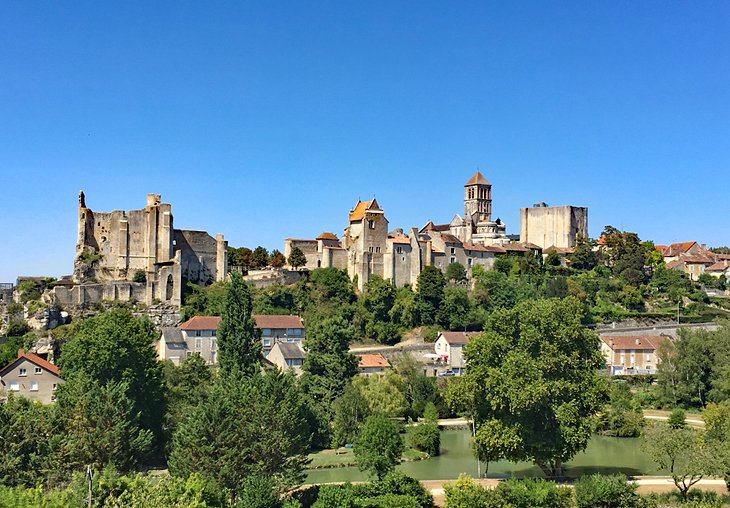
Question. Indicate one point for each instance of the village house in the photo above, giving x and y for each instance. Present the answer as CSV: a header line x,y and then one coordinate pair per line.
x,y
197,335
276,328
369,364
31,376
632,354
449,347
287,355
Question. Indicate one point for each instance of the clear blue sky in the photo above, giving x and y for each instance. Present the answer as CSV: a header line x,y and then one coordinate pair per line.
x,y
265,120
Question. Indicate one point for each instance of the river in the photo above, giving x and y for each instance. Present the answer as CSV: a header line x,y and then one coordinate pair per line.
x,y
604,454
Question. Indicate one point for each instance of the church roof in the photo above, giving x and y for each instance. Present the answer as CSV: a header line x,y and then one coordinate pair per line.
x,y
477,179
358,213
327,236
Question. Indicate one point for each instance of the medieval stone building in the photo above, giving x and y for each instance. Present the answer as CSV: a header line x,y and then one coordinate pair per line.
x,y
553,226
368,247
138,255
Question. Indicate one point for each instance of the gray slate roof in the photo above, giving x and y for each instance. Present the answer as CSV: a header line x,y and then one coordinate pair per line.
x,y
172,335
290,351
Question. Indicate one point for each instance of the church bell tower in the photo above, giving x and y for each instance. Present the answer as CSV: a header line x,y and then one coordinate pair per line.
x,y
478,199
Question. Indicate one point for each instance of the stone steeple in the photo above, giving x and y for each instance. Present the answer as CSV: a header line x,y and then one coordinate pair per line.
x,y
477,199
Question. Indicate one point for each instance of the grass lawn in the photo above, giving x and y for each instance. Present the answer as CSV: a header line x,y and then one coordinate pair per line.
x,y
344,457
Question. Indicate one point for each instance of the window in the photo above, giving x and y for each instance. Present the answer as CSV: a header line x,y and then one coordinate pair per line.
x,y
453,250
55,385
267,342
213,344
38,370
453,260
198,333
469,261
34,386
198,344
188,354
371,224
14,386
399,250
266,331
212,334
23,372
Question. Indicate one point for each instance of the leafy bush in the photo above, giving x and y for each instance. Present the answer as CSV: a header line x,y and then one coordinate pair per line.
x,y
139,276
534,493
598,491
464,493
425,437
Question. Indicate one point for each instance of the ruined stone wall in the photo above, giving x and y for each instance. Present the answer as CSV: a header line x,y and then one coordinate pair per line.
x,y
198,256
557,226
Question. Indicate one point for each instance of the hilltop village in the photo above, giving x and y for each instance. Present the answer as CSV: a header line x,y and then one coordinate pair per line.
x,y
330,352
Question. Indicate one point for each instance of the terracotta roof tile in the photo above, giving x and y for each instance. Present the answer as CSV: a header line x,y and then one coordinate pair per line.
x,y
326,235
477,179
35,359
358,213
638,342
201,323
720,266
450,239
400,239
372,361
274,321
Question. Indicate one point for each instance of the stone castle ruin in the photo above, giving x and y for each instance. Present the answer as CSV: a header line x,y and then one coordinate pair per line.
x,y
139,255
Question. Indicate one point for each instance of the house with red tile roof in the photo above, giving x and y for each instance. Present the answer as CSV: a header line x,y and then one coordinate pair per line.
x,y
632,354
369,364
197,335
30,376
449,347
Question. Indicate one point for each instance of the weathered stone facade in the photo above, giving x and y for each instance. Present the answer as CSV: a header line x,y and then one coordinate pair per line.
x,y
367,247
138,255
553,226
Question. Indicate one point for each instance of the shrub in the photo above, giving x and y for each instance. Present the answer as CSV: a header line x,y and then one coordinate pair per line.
x,y
425,437
399,483
139,276
464,493
676,418
534,493
598,491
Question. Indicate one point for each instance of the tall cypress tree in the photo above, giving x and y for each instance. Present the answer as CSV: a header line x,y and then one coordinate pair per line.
x,y
239,345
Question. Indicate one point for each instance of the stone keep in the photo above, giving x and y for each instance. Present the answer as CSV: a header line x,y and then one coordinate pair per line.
x,y
553,226
114,247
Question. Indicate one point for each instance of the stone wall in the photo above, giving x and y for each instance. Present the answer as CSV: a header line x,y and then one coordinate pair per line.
x,y
556,226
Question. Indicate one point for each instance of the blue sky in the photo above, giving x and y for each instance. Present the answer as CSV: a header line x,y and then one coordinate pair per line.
x,y
270,119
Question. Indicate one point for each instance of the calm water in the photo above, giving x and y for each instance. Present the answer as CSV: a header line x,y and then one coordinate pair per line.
x,y
604,454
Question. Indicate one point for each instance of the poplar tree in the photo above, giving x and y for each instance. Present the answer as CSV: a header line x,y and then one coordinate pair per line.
x,y
239,345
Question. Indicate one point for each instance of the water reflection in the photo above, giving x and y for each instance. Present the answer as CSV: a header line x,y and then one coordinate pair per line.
x,y
605,455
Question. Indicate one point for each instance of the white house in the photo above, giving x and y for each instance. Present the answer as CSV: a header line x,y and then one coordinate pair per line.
x,y
449,347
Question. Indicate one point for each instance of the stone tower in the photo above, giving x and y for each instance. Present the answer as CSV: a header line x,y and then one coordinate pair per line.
x,y
477,199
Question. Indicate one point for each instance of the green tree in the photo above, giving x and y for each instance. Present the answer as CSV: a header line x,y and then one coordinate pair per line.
x,y
26,429
456,272
625,254
327,368
682,451
383,393
277,259
116,347
350,410
717,425
532,384
376,303
494,290
239,344
100,426
583,256
622,416
378,447
296,258
187,386
259,258
455,310
255,425
203,300
429,294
